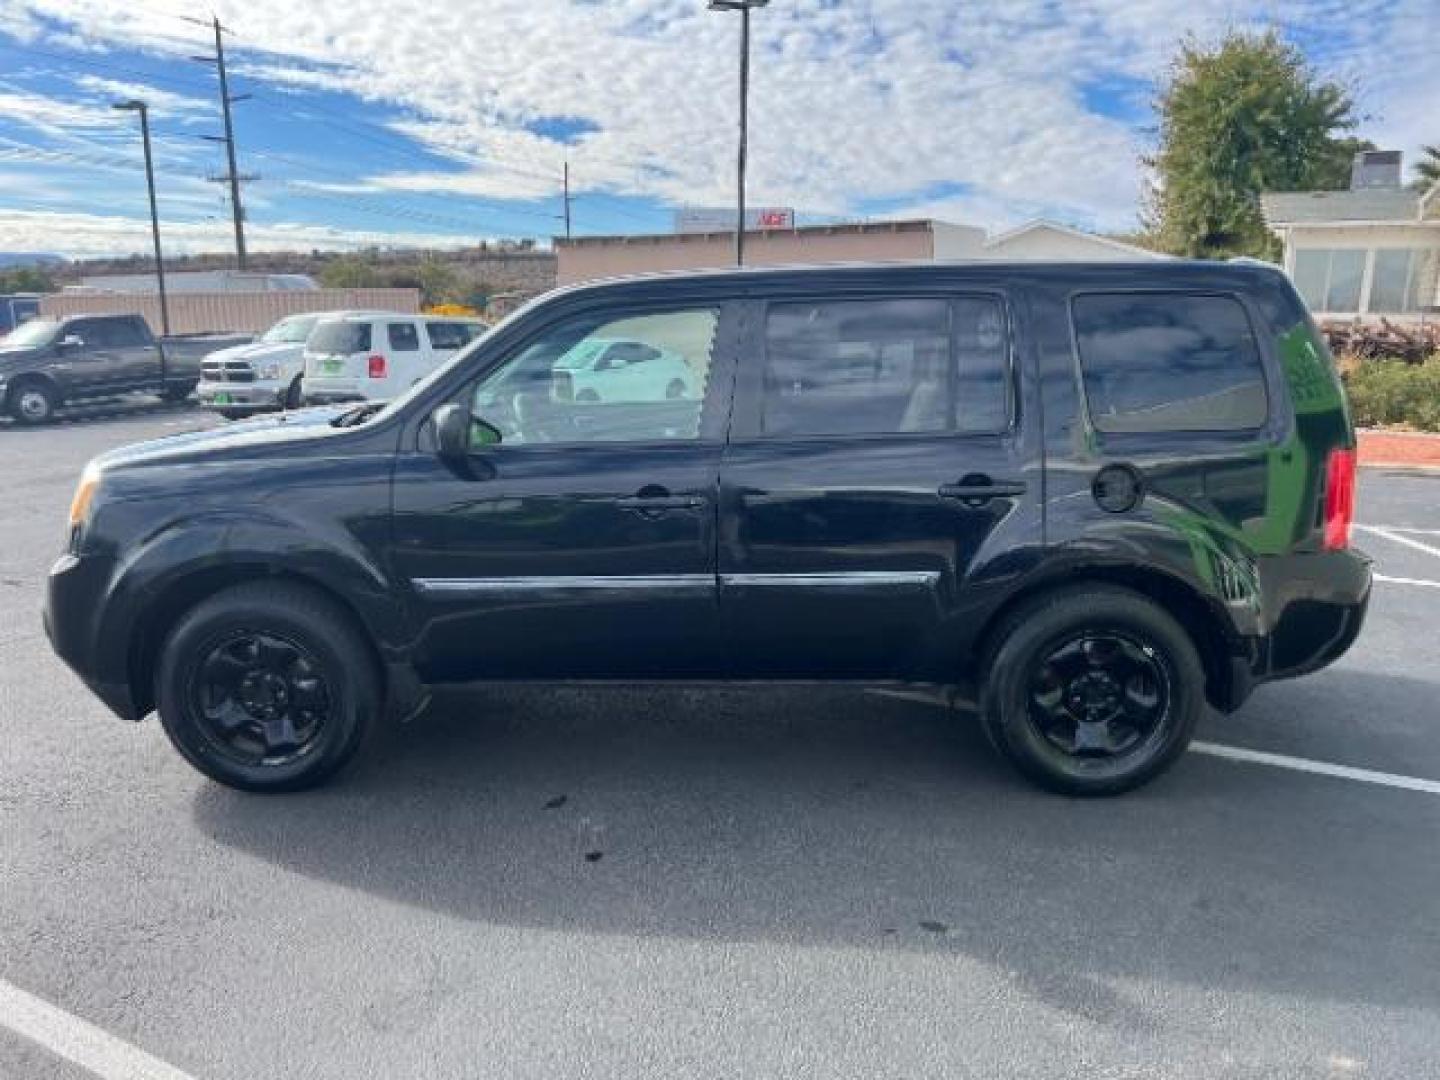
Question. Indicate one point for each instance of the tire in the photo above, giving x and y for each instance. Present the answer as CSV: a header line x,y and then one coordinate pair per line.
x,y
250,660
1091,690
233,414
178,391
295,395
33,401
587,396
675,390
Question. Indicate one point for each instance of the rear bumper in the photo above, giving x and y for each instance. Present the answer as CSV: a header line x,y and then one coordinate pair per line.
x,y
1319,602
74,592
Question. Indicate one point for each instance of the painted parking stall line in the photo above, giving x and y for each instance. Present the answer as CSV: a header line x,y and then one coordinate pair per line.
x,y
79,1041
1319,768
1397,537
1389,579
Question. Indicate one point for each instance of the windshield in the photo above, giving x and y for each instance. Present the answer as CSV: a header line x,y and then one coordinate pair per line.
x,y
34,332
290,331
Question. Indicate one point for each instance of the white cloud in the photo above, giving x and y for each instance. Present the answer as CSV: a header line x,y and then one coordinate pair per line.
x,y
80,235
852,102
163,103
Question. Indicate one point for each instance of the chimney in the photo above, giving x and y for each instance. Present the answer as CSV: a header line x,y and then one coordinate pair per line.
x,y
1375,169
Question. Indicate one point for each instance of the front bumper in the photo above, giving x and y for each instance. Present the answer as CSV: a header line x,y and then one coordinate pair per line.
x,y
241,397
74,592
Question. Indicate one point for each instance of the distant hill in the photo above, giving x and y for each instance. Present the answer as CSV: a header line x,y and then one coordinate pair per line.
x,y
9,260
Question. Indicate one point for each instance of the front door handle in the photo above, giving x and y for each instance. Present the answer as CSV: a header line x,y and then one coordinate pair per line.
x,y
978,490
652,502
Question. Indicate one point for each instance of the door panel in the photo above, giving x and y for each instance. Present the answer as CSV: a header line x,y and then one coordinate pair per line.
x,y
852,551
582,545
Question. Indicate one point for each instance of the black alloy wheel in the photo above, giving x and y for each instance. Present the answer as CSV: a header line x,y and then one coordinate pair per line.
x,y
1099,694
260,698
1091,689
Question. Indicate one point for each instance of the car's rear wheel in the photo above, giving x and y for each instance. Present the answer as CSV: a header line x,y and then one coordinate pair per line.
x,y
267,687
178,391
33,402
675,390
1092,691
587,396
295,395
232,414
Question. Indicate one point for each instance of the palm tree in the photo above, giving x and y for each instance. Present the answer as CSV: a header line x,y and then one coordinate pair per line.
x,y
1427,172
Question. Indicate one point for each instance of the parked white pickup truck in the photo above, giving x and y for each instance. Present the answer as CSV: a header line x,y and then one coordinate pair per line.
x,y
263,375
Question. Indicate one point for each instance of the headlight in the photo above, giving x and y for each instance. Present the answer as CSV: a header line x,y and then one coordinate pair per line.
x,y
269,371
84,495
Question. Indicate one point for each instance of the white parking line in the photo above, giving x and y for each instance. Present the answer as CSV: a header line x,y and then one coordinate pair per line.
x,y
1322,768
1407,581
1402,529
78,1041
1408,541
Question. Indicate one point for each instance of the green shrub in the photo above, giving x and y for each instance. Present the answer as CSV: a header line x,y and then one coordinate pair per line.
x,y
1385,393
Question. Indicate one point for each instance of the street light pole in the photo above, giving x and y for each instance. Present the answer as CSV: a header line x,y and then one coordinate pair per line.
x,y
744,7
144,111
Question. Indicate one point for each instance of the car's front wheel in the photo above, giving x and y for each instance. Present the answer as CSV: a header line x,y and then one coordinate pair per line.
x,y
1092,690
33,402
267,687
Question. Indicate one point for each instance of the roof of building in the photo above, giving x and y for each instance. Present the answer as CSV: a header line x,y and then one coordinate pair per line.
x,y
1321,207
1042,225
844,228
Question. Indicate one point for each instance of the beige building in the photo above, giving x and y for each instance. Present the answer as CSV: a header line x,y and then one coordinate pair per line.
x,y
587,258
1372,250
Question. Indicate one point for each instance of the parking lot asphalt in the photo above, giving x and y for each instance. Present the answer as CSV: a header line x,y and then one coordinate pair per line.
x,y
551,883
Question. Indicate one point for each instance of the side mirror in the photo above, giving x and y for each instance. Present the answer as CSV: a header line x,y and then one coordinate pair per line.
x,y
452,431
72,341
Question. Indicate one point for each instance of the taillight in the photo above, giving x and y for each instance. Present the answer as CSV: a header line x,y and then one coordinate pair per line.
x,y
377,366
1339,498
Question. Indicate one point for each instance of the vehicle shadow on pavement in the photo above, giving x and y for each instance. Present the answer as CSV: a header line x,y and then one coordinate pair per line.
x,y
836,818
117,410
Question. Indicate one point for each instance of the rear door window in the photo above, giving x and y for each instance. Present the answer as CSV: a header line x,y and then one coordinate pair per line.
x,y
404,337
340,337
1169,362
903,365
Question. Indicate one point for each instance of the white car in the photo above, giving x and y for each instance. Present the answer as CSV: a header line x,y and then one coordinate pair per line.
x,y
617,369
374,357
262,375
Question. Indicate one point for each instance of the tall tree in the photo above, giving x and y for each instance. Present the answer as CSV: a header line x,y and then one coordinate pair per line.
x,y
1246,116
1427,169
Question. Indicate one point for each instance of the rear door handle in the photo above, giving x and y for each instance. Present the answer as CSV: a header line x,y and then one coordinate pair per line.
x,y
978,491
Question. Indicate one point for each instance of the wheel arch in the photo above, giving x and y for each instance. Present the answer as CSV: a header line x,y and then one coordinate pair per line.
x,y
1209,629
37,378
182,594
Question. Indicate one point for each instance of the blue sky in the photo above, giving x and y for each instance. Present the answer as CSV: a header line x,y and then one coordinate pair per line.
x,y
406,122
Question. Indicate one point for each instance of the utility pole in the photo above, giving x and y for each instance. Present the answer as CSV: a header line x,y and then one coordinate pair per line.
x,y
744,7
144,110
232,176
567,198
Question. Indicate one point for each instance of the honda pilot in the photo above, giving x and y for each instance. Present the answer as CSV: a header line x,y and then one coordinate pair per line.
x,y
1098,500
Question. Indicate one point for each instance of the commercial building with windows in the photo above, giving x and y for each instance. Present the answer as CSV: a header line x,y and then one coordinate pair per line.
x,y
1370,251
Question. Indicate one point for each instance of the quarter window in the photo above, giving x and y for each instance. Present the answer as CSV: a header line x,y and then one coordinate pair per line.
x,y
404,337
1169,362
886,366
555,391
447,335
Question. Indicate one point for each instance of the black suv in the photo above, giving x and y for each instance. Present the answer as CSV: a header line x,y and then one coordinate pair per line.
x,y
1101,497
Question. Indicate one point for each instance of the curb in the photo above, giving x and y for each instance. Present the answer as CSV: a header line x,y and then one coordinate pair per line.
x,y
1398,449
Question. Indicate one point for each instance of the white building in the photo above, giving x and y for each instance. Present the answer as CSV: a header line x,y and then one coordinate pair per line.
x,y
1370,251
